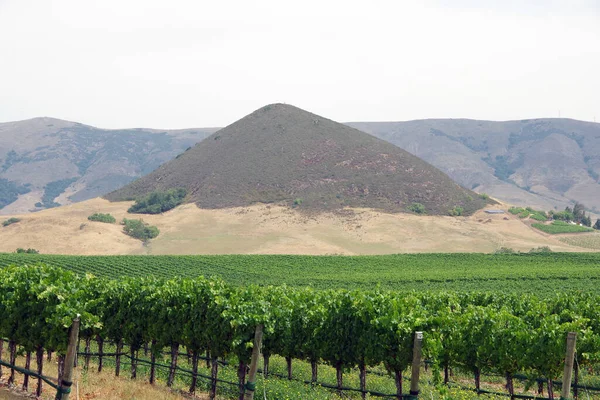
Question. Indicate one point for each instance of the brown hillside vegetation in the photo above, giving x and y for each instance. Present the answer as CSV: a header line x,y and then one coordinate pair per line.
x,y
264,229
282,154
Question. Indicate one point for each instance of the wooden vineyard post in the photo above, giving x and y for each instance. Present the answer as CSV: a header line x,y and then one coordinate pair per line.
x,y
66,382
416,365
251,383
568,372
1,350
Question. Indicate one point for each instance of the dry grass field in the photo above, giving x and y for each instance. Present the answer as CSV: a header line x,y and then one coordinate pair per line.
x,y
94,386
270,229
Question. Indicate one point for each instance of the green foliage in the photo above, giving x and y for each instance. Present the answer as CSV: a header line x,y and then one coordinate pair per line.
x,y
138,229
541,249
539,216
38,304
557,227
597,224
27,251
484,196
505,250
99,217
456,211
503,167
528,213
524,214
525,273
11,221
52,190
563,216
158,202
10,191
497,333
297,203
417,208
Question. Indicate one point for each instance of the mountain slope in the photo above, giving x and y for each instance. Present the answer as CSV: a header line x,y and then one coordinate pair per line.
x,y
539,162
50,161
281,153
544,163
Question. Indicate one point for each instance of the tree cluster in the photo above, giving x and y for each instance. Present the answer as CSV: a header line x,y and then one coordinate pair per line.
x,y
158,202
138,229
576,214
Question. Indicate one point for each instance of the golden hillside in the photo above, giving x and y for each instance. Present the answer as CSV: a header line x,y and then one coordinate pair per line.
x,y
265,229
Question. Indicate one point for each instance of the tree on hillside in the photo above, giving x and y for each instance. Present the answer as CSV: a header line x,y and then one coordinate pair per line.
x,y
578,212
566,215
586,220
597,224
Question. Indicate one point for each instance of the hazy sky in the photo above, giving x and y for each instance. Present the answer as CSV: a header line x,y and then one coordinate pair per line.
x,y
196,63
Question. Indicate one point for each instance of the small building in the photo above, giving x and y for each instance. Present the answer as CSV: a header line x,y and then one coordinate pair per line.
x,y
494,211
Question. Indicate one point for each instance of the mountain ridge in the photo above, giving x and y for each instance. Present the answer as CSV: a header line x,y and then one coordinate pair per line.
x,y
46,161
465,165
547,162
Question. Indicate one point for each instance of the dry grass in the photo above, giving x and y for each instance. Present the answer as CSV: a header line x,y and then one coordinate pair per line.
x,y
263,229
93,385
590,241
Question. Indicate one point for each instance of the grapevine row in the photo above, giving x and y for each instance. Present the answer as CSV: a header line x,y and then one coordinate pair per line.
x,y
478,332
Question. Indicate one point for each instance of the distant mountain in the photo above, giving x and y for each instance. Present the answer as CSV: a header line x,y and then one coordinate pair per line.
x,y
540,162
544,163
282,154
45,162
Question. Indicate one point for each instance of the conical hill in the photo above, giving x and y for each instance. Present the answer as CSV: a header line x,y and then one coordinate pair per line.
x,y
282,154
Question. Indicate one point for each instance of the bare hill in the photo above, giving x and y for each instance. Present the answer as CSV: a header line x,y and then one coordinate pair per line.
x,y
46,161
282,154
539,162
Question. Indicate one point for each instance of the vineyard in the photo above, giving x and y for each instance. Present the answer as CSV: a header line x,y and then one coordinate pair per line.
x,y
507,335
557,227
538,273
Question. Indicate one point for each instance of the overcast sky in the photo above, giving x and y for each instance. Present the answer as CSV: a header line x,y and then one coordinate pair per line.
x,y
176,64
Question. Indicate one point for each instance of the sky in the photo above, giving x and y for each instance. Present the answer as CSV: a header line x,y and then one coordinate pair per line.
x,y
180,64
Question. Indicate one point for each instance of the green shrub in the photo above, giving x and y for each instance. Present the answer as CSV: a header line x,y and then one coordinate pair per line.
x,y
484,196
516,210
27,251
138,229
158,202
541,249
505,250
524,214
417,208
297,203
539,216
10,221
99,217
563,216
457,211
